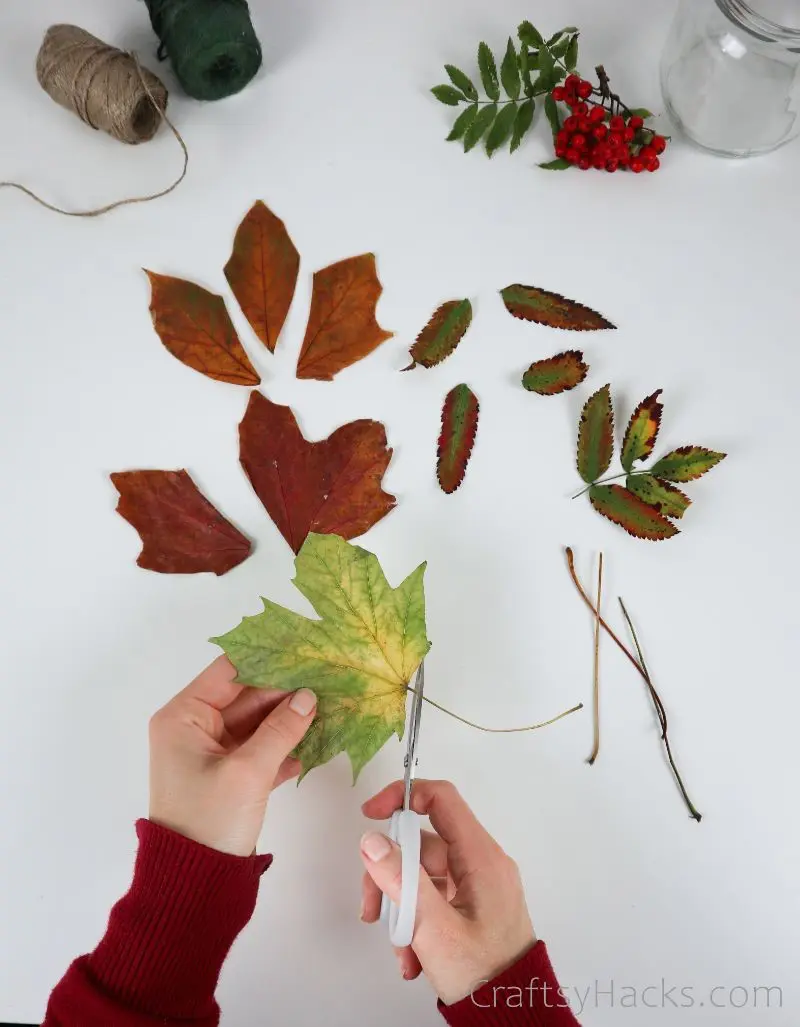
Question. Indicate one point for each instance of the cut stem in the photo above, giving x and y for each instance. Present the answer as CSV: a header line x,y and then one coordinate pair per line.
x,y
596,671
497,730
612,477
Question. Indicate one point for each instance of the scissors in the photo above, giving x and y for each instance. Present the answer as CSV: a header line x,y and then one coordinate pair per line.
x,y
405,829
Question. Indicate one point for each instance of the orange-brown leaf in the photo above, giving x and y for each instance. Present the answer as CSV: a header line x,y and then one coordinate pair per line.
x,y
262,272
631,513
342,327
195,327
556,374
549,308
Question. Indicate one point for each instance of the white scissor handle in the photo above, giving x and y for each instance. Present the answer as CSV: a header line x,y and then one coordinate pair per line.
x,y
405,830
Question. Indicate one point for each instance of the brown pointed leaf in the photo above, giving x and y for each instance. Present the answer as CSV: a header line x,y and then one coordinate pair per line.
x,y
596,435
459,426
195,327
181,532
329,487
262,272
341,325
631,513
665,498
549,308
556,374
440,336
642,430
686,463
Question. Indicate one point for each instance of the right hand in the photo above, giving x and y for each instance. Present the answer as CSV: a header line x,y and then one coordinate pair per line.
x,y
475,924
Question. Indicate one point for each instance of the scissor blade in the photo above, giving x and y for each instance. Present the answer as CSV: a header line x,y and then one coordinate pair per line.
x,y
412,738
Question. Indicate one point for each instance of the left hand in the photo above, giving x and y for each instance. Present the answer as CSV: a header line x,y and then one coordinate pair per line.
x,y
217,750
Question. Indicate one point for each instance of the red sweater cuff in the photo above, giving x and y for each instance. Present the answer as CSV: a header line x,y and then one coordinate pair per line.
x,y
526,995
168,937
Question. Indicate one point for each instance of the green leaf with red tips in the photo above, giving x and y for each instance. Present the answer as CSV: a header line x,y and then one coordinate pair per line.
x,y
459,425
549,308
596,435
630,512
556,374
440,336
686,463
659,494
642,430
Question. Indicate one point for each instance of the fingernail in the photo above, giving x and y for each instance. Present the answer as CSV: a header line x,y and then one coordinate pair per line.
x,y
361,912
303,702
375,846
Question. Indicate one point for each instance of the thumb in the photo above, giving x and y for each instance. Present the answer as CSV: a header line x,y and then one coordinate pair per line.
x,y
280,731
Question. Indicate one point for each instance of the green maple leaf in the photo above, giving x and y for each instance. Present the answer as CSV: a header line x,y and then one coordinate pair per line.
x,y
358,658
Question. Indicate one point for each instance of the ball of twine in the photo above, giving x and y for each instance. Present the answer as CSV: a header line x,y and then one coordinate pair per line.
x,y
106,87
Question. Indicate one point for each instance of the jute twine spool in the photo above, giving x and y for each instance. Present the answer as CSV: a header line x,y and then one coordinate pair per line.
x,y
108,89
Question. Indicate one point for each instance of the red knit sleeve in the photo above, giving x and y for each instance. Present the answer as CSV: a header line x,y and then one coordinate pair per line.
x,y
525,995
161,956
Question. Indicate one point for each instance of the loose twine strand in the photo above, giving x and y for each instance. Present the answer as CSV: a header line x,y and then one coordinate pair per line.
x,y
110,91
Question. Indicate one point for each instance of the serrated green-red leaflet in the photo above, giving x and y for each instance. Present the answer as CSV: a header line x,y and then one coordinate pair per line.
x,y
686,463
640,435
662,496
596,436
459,425
631,513
556,374
440,336
549,308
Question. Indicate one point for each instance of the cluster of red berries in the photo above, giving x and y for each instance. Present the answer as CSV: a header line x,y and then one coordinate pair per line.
x,y
595,137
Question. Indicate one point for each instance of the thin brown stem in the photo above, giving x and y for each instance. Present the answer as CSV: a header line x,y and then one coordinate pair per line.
x,y
596,670
497,730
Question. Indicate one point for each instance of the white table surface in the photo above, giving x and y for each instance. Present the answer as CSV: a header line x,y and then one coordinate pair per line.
x,y
698,267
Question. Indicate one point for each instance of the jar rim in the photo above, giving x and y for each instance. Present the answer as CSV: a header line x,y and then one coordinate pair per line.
x,y
758,25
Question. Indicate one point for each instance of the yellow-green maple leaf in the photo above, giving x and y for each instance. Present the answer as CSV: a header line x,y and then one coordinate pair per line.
x,y
358,658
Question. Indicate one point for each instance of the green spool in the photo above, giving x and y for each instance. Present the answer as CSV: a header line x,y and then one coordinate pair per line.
x,y
212,44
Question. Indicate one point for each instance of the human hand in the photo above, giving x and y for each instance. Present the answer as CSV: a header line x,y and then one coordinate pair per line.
x,y
217,750
475,924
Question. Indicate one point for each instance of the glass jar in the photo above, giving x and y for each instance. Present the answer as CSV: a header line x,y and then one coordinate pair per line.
x,y
729,74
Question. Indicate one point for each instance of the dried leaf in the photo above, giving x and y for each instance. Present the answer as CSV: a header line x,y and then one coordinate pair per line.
x,y
195,327
181,532
631,513
686,463
341,325
556,374
459,425
548,308
642,430
665,498
596,435
440,336
262,272
358,658
331,487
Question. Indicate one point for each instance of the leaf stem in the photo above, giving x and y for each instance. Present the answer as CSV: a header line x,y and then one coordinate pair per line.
x,y
596,675
497,730
613,477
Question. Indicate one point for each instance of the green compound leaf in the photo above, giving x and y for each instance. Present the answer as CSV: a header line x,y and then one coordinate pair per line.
x,y
596,436
665,498
459,426
642,430
686,463
522,123
529,35
631,513
482,120
551,110
440,336
501,129
463,122
559,164
448,95
571,56
461,81
549,308
556,374
488,70
509,71
358,658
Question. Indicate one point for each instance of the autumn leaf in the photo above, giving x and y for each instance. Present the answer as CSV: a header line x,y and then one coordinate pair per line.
x,y
358,658
181,532
631,513
341,325
640,436
556,374
262,272
686,463
659,494
440,336
331,487
549,308
596,435
459,425
195,327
